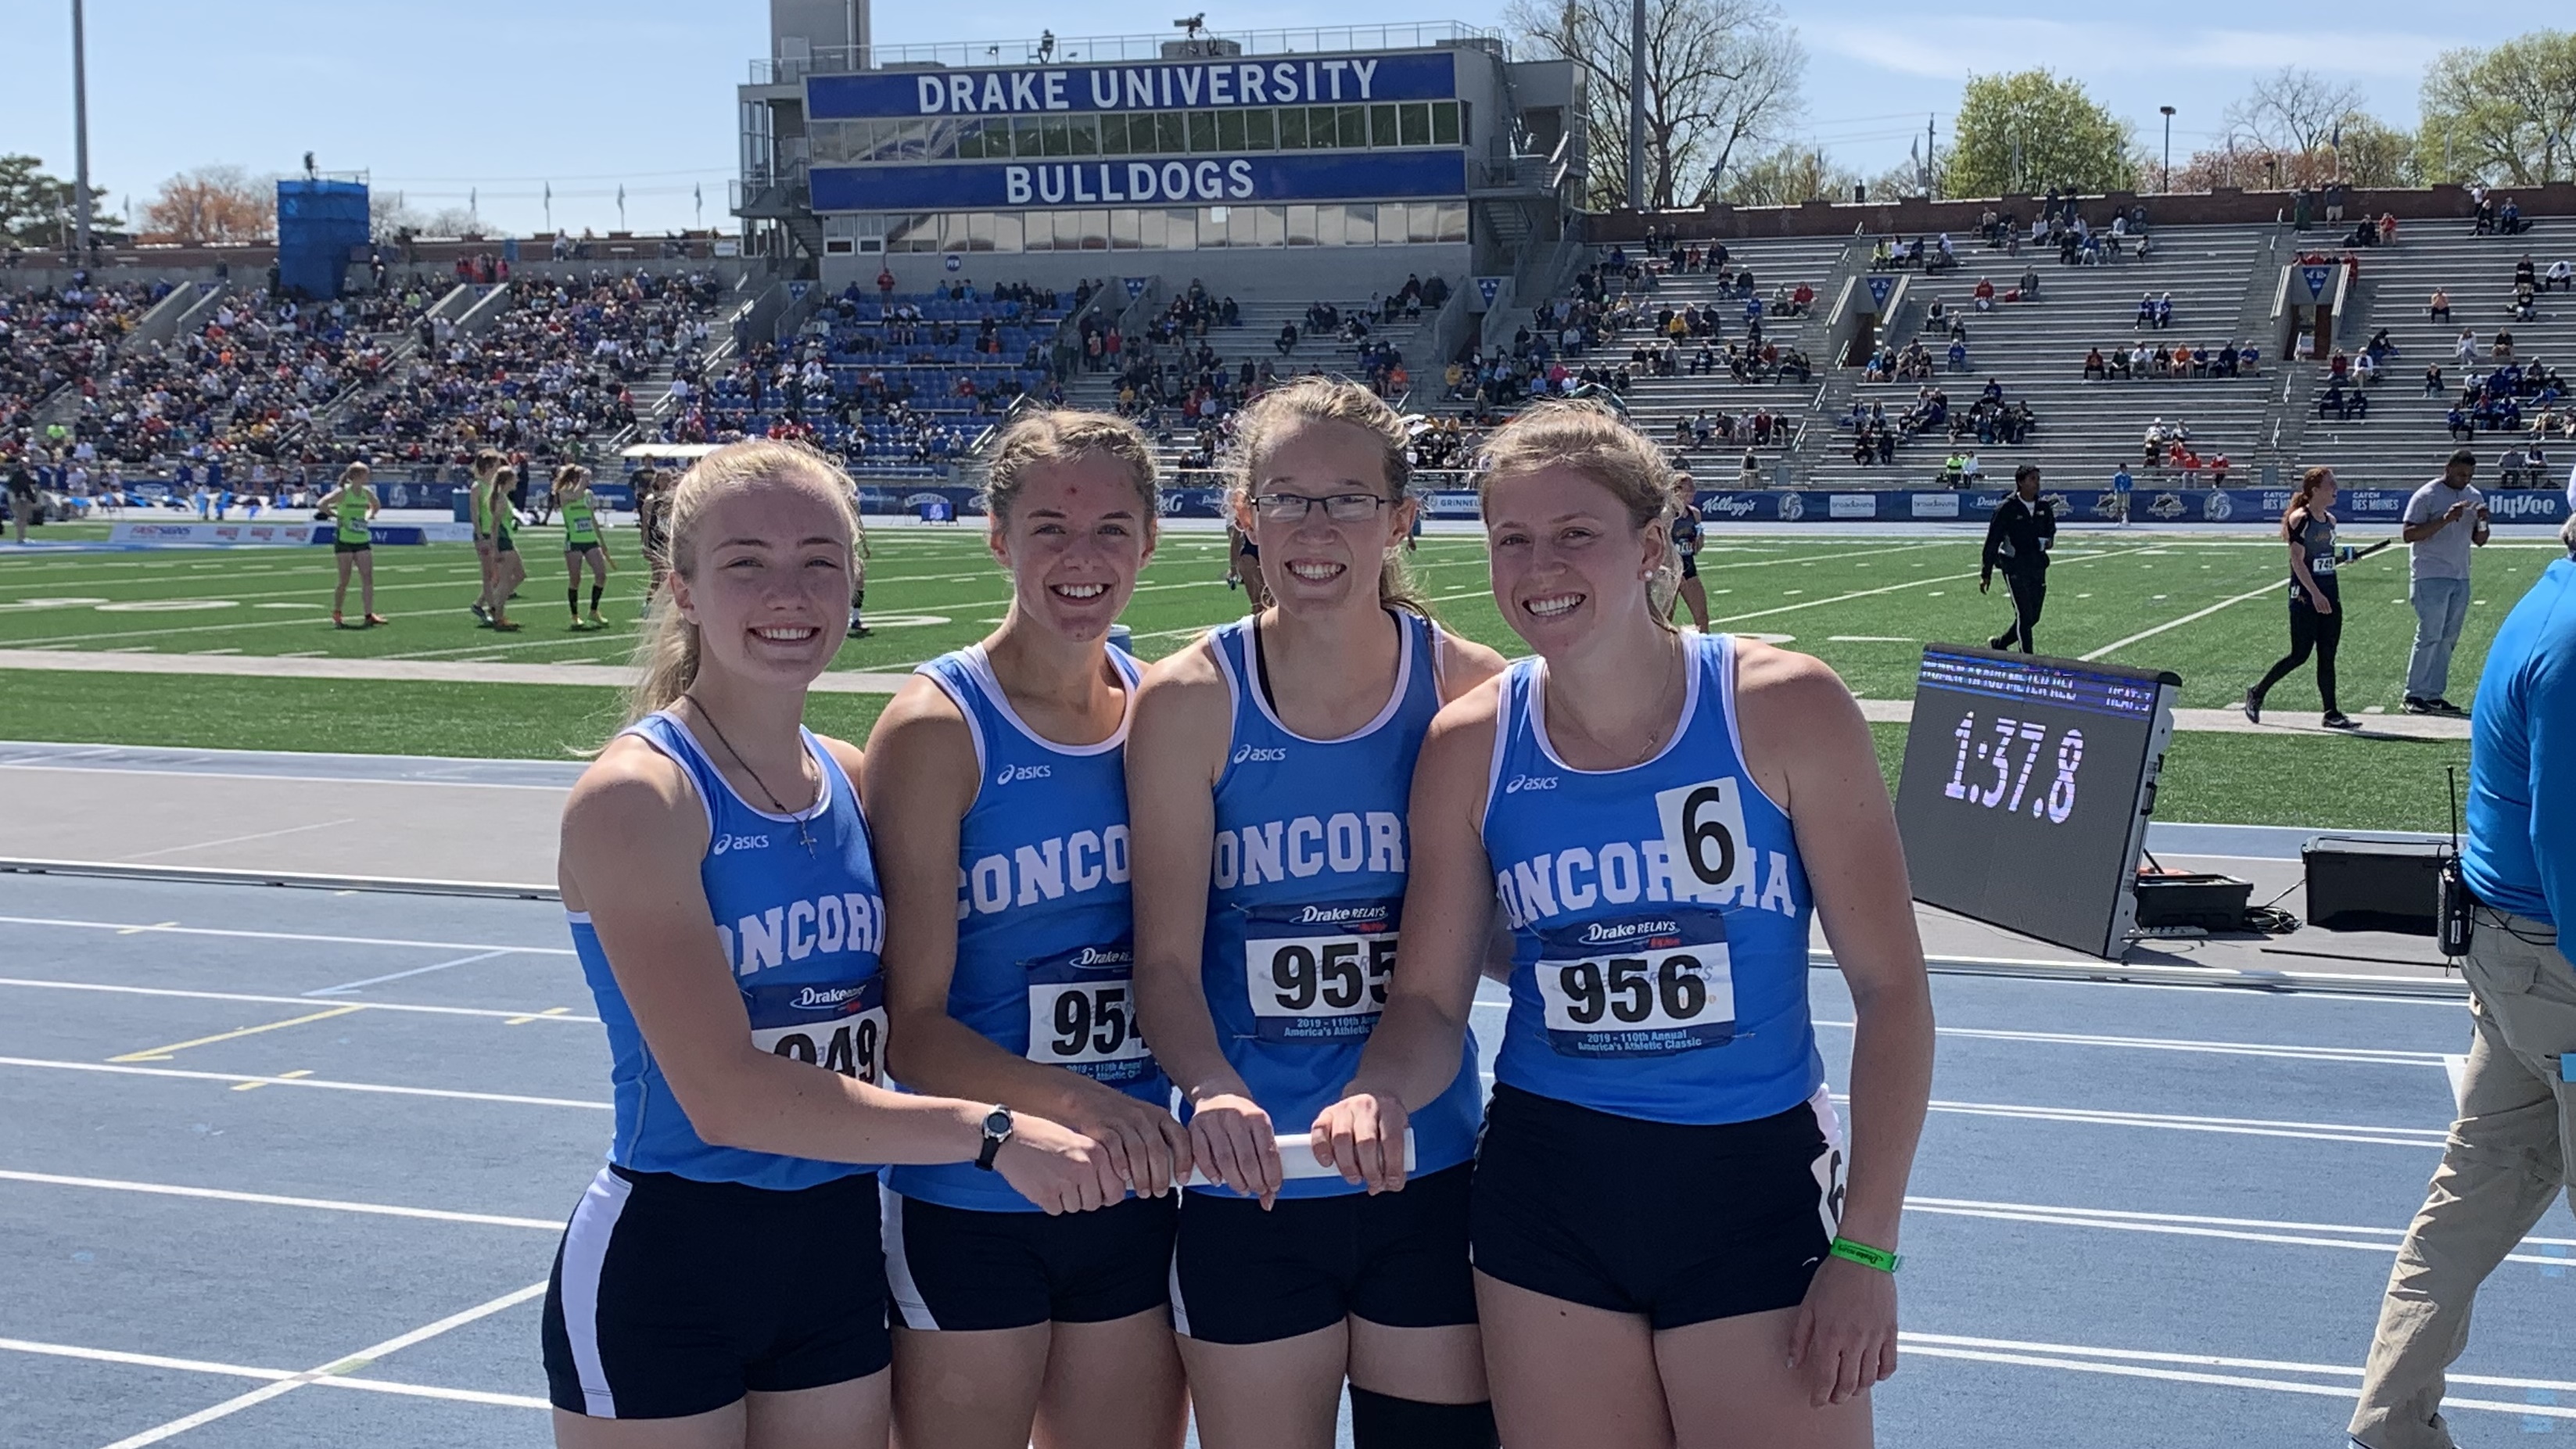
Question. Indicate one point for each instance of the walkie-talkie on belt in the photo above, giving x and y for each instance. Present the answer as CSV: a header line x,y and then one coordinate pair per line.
x,y
2451,911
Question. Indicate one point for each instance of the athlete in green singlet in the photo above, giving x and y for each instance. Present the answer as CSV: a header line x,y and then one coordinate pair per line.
x,y
508,569
486,463
581,539
350,506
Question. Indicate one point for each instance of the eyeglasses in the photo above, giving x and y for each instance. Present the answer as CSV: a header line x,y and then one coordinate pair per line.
x,y
1292,508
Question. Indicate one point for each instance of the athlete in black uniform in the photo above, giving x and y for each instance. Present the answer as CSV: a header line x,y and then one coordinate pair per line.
x,y
2017,541
2316,607
1686,536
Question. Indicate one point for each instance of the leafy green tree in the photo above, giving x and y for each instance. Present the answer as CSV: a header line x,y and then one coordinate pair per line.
x,y
2505,115
32,204
2031,130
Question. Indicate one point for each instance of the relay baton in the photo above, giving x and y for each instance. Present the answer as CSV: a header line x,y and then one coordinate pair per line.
x,y
1297,1160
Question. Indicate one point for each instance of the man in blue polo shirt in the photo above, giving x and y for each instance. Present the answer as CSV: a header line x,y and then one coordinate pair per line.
x,y
2510,1153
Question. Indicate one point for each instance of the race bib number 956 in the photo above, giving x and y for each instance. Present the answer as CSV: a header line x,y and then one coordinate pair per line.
x,y
1318,972
1704,835
838,1026
1637,986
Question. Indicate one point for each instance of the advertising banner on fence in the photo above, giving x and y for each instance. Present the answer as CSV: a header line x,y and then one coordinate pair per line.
x,y
2090,505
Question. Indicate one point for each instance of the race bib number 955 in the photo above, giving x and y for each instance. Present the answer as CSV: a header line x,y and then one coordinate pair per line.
x,y
838,1026
1637,986
1082,1014
1318,972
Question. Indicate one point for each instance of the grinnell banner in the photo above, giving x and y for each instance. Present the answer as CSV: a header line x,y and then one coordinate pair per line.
x,y
1208,180
1192,85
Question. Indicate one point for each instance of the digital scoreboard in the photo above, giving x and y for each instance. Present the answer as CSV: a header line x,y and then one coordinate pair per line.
x,y
2027,786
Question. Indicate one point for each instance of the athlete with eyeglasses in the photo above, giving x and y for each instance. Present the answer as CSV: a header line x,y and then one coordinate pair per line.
x,y
1269,771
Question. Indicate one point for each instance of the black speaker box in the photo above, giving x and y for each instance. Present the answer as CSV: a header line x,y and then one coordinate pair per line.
x,y
2374,885
2210,902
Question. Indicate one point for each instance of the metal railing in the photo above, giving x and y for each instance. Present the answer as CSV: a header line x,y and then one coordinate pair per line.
x,y
1096,49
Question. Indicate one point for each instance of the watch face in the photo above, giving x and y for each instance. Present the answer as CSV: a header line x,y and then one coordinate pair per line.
x,y
997,1123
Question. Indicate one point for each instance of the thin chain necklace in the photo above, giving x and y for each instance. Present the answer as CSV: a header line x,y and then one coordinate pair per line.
x,y
1655,731
804,837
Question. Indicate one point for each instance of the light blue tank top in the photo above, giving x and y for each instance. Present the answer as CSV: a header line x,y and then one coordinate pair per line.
x,y
1045,949
1306,897
800,931
1659,917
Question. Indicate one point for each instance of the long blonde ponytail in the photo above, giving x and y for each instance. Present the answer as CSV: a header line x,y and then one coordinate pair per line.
x,y
667,658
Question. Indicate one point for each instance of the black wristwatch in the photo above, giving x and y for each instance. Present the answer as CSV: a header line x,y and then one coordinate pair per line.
x,y
997,1130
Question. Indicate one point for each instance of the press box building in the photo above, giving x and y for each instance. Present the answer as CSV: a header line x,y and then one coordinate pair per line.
x,y
1278,160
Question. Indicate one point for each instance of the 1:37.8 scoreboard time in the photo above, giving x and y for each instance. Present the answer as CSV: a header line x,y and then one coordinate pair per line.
x,y
2027,785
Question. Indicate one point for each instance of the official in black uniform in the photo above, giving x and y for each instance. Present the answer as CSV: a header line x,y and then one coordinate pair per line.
x,y
2017,541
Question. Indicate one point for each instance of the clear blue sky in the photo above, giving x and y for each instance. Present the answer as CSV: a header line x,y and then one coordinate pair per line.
x,y
589,94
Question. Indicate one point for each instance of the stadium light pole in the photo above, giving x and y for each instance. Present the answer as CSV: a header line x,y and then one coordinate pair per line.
x,y
2168,171
1637,105
80,133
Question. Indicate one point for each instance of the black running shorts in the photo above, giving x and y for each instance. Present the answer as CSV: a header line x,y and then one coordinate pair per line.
x,y
1241,1275
1678,1224
958,1268
673,1297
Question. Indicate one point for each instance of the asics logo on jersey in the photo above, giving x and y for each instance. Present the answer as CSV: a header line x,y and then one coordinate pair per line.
x,y
1259,755
723,843
1008,773
1518,783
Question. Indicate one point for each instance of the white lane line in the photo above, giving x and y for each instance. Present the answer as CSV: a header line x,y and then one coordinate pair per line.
x,y
245,1371
346,986
55,765
489,1011
354,1361
2455,1067
322,1083
2367,1056
270,1199
2233,1126
2274,587
238,839
2141,1355
2373,1240
172,929
2185,1376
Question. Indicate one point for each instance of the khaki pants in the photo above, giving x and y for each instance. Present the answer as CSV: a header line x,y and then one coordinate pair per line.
x,y
2506,1161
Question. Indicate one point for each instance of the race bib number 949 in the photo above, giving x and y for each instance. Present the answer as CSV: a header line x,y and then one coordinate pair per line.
x,y
1638,986
1318,972
1082,1014
838,1026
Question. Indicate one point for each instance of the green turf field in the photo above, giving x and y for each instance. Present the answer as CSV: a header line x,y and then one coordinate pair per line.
x,y
2207,608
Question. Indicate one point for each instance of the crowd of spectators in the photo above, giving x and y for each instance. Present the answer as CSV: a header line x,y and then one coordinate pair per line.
x,y
51,337
247,383
1990,418
2144,359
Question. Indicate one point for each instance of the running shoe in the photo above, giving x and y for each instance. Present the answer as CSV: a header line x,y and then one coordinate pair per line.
x,y
2253,706
336,621
2338,720
597,622
375,619
2415,706
2441,706
506,627
481,612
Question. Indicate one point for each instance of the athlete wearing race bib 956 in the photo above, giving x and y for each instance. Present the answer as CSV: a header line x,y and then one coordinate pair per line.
x,y
1661,1177
1269,779
1002,768
723,1268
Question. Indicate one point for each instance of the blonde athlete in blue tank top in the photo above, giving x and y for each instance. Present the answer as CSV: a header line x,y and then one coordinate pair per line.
x,y
1666,1248
1002,769
723,1270
1268,777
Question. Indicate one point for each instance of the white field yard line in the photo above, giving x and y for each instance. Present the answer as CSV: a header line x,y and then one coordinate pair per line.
x,y
258,998
2362,1056
2275,587
244,1371
1897,588
141,928
2169,1368
380,1089
2297,1235
338,1366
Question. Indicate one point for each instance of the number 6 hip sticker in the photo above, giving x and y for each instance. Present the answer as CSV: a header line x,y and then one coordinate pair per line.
x,y
1704,835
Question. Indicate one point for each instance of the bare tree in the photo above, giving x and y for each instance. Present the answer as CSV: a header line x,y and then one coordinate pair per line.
x,y
2294,110
1722,79
213,205
1785,176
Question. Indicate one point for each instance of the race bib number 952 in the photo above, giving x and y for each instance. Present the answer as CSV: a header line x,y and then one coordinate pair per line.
x,y
838,1026
1318,972
1637,986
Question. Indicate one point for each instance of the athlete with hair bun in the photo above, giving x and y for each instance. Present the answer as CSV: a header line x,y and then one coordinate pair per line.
x,y
351,507
1009,964
1269,769
1664,1248
581,542
720,1283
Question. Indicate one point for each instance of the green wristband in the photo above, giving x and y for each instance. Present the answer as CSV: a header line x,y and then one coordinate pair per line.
x,y
1865,1255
